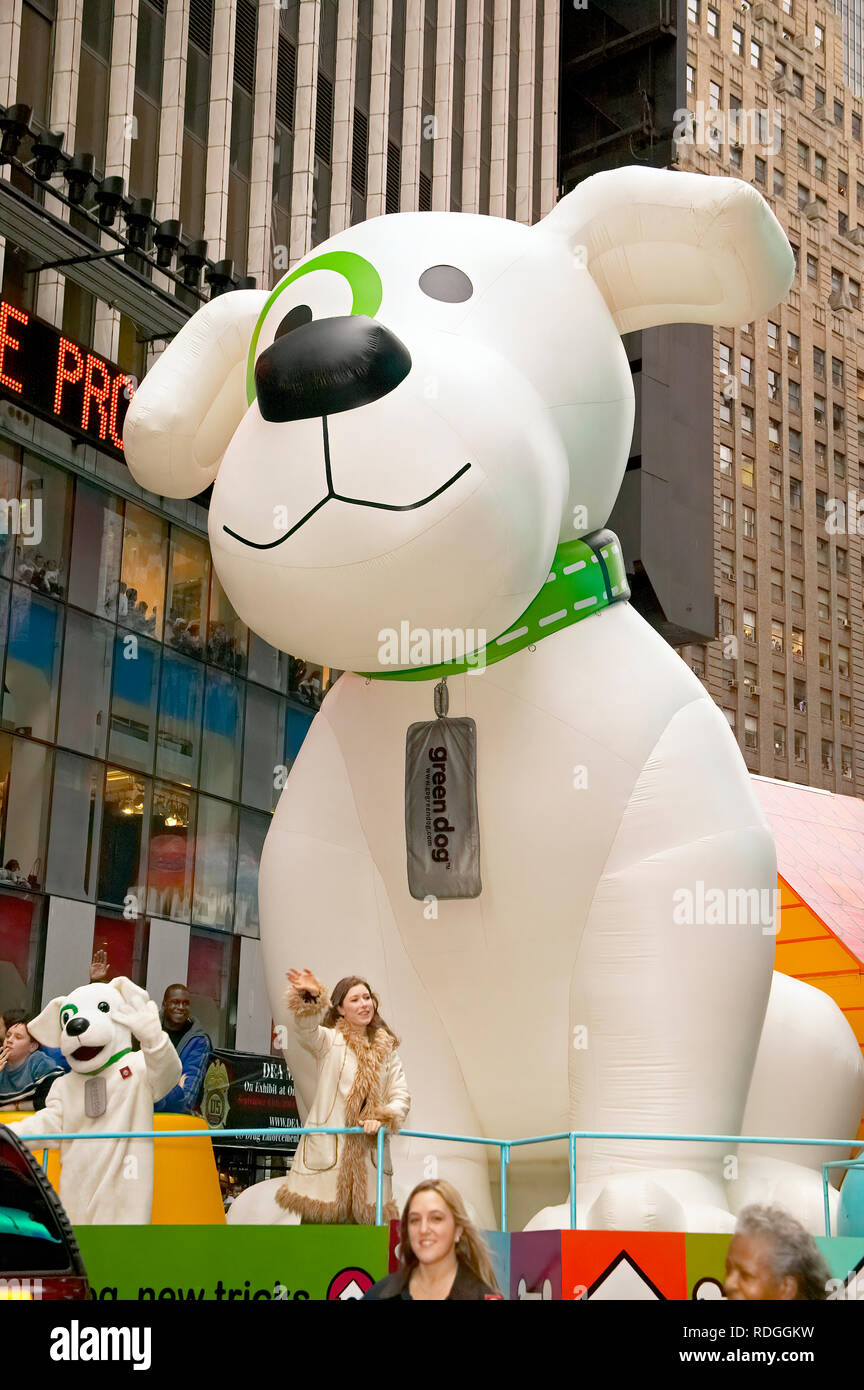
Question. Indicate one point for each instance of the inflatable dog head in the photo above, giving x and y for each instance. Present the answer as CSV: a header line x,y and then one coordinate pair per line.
x,y
407,425
84,1025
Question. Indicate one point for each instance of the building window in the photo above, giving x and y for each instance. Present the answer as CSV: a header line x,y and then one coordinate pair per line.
x,y
812,268
846,763
824,654
779,741
747,467
713,23
693,11
715,96
776,533
798,643
737,41
800,746
240,164
820,167
776,485
845,705
796,586
839,112
856,125
793,348
837,372
819,363
691,80
803,155
821,503
841,559
779,184
147,100
819,416
842,223
747,419
748,567
795,494
773,333
725,459
854,291
795,442
748,618
775,388
755,54
822,552
760,169
779,688
827,755
727,618
795,396
727,513
751,732
777,586
727,564
823,605
196,117
818,36
796,546
777,637
799,695
838,417
91,123
843,667
748,515
839,464
746,370
821,452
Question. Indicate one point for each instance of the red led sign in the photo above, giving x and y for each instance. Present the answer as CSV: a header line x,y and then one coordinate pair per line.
x,y
65,383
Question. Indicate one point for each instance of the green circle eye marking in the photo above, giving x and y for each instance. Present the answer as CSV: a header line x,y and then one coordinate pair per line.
x,y
66,1013
366,291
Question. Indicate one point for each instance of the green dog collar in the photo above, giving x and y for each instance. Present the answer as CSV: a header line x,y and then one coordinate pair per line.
x,y
587,575
115,1058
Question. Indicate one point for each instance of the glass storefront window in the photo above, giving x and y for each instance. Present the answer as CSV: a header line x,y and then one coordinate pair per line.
x,y
172,842
297,723
97,542
253,830
140,603
86,684
42,543
32,665
188,585
227,635
308,681
21,917
76,824
208,979
179,733
133,702
10,482
123,848
119,946
267,665
25,783
221,750
215,862
263,748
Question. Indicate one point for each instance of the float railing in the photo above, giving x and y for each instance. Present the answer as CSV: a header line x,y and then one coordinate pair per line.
x,y
835,1163
504,1147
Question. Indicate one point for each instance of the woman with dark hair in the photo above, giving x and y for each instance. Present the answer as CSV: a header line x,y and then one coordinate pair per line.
x,y
360,1081
443,1256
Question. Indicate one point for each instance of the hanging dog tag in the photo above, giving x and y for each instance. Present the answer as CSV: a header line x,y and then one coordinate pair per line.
x,y
441,828
95,1097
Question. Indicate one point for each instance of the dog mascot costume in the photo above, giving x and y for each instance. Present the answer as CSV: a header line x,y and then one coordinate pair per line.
x,y
422,430
104,1181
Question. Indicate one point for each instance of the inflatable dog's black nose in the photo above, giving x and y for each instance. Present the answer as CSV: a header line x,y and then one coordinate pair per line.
x,y
327,366
77,1025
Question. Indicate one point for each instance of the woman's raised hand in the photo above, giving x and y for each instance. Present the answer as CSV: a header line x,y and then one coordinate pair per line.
x,y
303,980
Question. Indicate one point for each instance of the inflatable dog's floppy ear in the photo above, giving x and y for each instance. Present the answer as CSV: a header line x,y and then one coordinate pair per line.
x,y
190,403
666,247
45,1027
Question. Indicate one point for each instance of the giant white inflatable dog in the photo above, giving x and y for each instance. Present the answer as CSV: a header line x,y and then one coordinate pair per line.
x,y
408,437
104,1181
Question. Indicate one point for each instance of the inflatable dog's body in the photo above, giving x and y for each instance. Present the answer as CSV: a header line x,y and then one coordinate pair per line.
x,y
401,434
104,1181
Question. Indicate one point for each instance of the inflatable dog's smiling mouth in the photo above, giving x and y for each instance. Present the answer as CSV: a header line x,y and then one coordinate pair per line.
x,y
86,1054
333,496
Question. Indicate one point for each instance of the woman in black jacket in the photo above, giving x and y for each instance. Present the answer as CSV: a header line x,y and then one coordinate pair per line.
x,y
443,1255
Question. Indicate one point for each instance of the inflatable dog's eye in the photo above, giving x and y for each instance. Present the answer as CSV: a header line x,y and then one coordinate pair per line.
x,y
447,283
300,314
106,1008
65,1014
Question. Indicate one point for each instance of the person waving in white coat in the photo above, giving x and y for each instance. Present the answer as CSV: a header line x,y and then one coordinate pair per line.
x,y
360,1081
